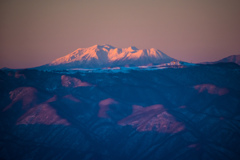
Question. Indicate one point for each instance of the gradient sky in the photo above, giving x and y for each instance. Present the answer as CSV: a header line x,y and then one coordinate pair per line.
x,y
35,32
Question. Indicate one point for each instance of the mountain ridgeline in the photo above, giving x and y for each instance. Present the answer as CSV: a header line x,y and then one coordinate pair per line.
x,y
105,56
232,58
170,113
100,56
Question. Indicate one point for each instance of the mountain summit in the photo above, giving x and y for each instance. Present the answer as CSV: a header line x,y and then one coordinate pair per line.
x,y
99,56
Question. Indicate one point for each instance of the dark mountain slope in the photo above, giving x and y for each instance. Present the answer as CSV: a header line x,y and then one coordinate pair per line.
x,y
232,58
186,113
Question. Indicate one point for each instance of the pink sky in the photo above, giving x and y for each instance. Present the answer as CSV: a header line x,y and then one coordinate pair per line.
x,y
34,33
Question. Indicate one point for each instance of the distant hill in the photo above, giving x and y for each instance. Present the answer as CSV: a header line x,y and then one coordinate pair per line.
x,y
229,59
232,58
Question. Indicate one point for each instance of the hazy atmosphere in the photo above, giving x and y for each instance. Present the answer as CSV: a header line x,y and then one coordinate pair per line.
x,y
111,79
34,33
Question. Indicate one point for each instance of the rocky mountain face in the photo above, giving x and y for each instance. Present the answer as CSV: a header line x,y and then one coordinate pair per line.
x,y
171,113
99,56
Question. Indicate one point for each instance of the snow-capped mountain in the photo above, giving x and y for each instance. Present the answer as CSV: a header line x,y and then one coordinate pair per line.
x,y
99,56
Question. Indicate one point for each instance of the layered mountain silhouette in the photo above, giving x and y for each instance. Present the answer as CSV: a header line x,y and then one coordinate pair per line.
x,y
99,56
170,110
189,113
105,56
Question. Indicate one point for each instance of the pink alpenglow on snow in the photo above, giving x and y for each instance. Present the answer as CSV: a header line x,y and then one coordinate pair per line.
x,y
108,53
152,118
104,107
35,112
211,89
27,95
42,114
68,81
99,56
